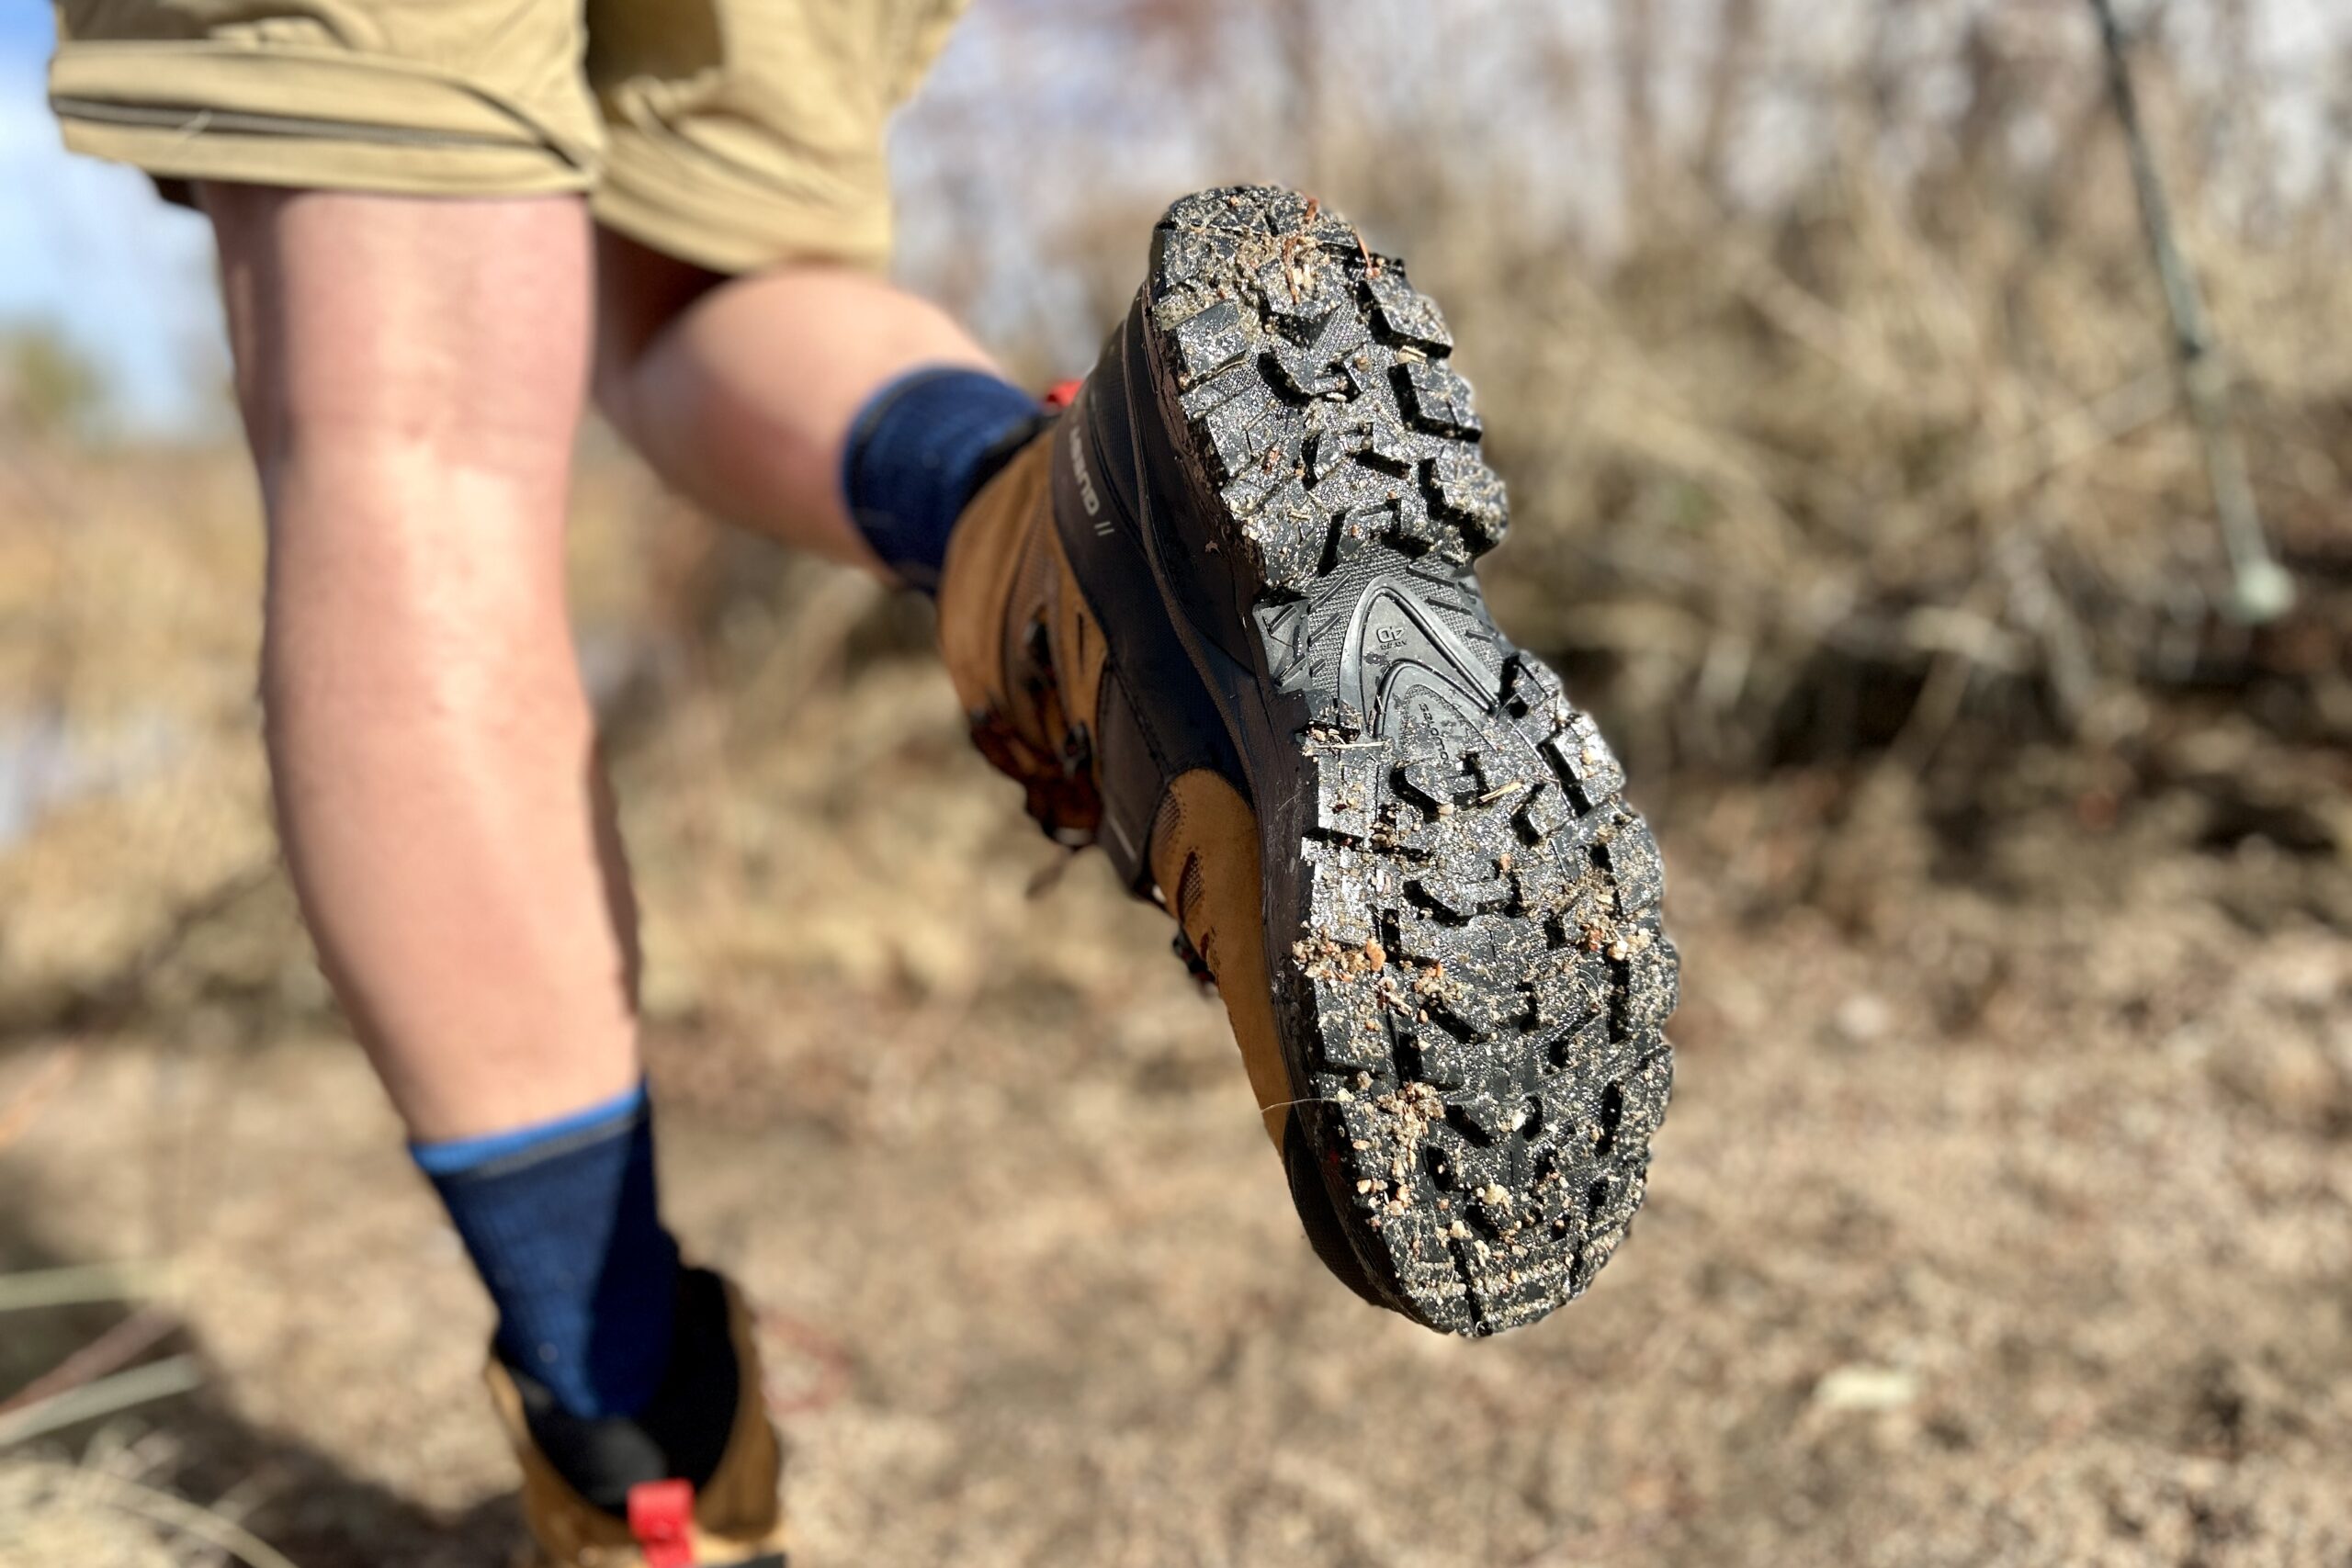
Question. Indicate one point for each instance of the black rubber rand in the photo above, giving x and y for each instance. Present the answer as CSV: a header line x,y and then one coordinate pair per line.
x,y
1463,912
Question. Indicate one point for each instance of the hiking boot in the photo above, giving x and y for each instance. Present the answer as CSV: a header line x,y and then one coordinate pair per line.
x,y
1220,618
690,1480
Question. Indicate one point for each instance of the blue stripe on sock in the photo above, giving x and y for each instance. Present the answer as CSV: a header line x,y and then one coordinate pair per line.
x,y
464,1154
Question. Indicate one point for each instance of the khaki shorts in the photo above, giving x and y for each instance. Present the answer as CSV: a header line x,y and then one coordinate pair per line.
x,y
729,133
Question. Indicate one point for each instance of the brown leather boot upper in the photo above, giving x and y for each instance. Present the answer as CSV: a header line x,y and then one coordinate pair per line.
x,y
1022,647
1034,669
1028,657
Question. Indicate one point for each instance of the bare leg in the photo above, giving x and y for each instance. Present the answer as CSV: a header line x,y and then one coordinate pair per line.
x,y
411,373
739,392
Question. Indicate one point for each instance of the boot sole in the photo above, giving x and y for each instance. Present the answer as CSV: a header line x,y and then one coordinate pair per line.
x,y
1463,913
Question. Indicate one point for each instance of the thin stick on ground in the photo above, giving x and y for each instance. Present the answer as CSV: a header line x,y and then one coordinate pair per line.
x,y
140,1385
2261,589
117,1346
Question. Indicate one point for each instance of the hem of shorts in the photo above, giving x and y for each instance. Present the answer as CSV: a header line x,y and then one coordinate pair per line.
x,y
311,162
732,237
289,116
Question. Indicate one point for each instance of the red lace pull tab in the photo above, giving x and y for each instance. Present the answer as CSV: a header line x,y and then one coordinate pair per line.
x,y
1063,393
661,1517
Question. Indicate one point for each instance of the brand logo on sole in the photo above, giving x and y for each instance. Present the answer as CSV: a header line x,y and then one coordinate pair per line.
x,y
1403,665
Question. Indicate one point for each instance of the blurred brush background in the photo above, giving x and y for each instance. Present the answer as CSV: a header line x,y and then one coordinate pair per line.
x,y
2005,1212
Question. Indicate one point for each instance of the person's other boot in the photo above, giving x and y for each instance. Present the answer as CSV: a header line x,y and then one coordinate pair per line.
x,y
691,1482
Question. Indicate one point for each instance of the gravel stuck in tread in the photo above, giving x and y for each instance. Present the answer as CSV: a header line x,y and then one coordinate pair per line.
x,y
1475,955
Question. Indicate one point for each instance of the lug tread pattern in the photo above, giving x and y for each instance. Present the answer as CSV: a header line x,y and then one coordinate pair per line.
x,y
1318,376
1478,980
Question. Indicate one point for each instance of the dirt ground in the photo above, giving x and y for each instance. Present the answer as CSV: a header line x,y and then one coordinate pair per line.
x,y
2005,1219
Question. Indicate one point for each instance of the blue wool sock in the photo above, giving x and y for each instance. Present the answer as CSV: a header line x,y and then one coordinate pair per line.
x,y
919,450
559,1220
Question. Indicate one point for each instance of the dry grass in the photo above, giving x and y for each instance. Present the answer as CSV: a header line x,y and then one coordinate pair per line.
x,y
1837,402
100,1512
